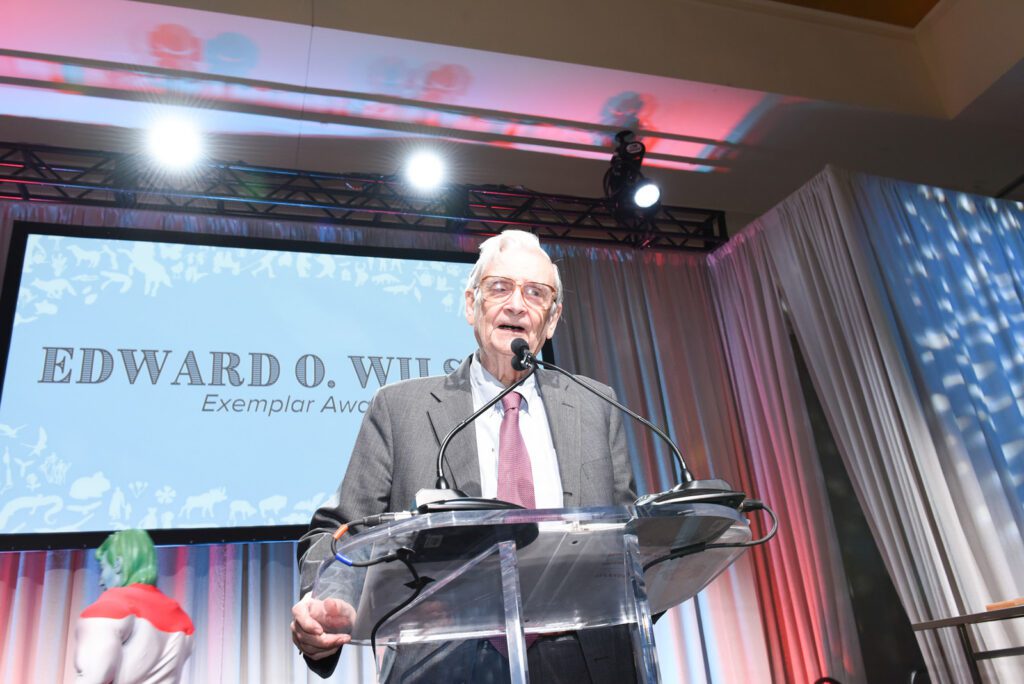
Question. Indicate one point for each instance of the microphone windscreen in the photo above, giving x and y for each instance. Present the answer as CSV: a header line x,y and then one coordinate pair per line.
x,y
519,345
520,348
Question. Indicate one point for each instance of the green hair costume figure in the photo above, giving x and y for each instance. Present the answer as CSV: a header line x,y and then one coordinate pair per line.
x,y
133,632
130,557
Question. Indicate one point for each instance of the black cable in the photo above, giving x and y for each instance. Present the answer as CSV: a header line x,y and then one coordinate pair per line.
x,y
334,547
748,505
400,554
368,521
386,558
442,482
684,472
417,585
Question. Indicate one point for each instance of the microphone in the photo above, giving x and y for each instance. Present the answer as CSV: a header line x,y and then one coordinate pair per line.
x,y
446,498
523,356
688,490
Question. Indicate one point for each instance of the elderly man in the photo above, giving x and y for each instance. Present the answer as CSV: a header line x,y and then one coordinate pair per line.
x,y
573,446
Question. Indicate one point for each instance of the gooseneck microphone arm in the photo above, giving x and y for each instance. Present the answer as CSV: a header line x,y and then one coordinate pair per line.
x,y
442,482
526,358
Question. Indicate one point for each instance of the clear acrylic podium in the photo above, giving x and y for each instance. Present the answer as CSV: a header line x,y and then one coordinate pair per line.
x,y
514,573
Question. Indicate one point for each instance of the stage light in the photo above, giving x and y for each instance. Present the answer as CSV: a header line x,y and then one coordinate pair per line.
x,y
646,194
624,184
175,144
424,171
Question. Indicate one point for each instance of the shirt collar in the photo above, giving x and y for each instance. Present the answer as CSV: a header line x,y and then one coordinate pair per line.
x,y
486,386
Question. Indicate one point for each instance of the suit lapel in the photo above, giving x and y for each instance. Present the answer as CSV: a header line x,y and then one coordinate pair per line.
x,y
564,421
455,404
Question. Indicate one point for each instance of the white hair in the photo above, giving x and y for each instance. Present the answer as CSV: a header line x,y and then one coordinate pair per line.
x,y
492,246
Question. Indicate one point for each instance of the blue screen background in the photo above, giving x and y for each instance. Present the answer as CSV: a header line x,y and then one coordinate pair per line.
x,y
97,456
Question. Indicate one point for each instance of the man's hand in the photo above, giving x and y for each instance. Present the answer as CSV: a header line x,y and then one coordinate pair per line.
x,y
320,628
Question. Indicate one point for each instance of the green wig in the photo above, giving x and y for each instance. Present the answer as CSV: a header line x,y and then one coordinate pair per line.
x,y
138,557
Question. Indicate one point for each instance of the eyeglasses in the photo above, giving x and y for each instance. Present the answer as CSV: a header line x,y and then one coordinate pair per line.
x,y
500,288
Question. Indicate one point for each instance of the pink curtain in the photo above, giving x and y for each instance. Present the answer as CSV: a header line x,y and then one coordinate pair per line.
x,y
645,323
801,580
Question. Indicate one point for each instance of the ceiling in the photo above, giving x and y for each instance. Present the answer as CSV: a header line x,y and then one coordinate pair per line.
x,y
739,101
908,13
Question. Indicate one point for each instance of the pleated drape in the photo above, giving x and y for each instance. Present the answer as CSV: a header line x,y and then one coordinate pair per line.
x,y
645,323
906,303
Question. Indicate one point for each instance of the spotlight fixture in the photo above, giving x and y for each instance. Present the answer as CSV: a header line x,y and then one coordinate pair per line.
x,y
425,171
646,194
176,144
623,180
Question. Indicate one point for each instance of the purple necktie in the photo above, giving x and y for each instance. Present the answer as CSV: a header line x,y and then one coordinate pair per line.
x,y
515,474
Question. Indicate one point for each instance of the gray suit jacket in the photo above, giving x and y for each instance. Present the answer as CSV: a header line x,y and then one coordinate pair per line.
x,y
395,454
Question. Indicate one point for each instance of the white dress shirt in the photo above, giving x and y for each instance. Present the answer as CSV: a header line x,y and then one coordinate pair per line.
x,y
533,424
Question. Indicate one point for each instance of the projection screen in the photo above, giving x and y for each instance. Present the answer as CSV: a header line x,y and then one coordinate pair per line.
x,y
206,388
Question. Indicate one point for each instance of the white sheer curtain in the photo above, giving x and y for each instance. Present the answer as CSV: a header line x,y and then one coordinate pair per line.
x,y
890,290
644,323
803,584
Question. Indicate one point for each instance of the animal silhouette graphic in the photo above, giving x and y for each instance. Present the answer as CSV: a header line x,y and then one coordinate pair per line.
x,y
203,502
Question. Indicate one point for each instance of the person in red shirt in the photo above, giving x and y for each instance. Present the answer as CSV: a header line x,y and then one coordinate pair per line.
x,y
133,632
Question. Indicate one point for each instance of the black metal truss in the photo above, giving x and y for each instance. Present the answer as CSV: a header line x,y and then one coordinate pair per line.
x,y
85,177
